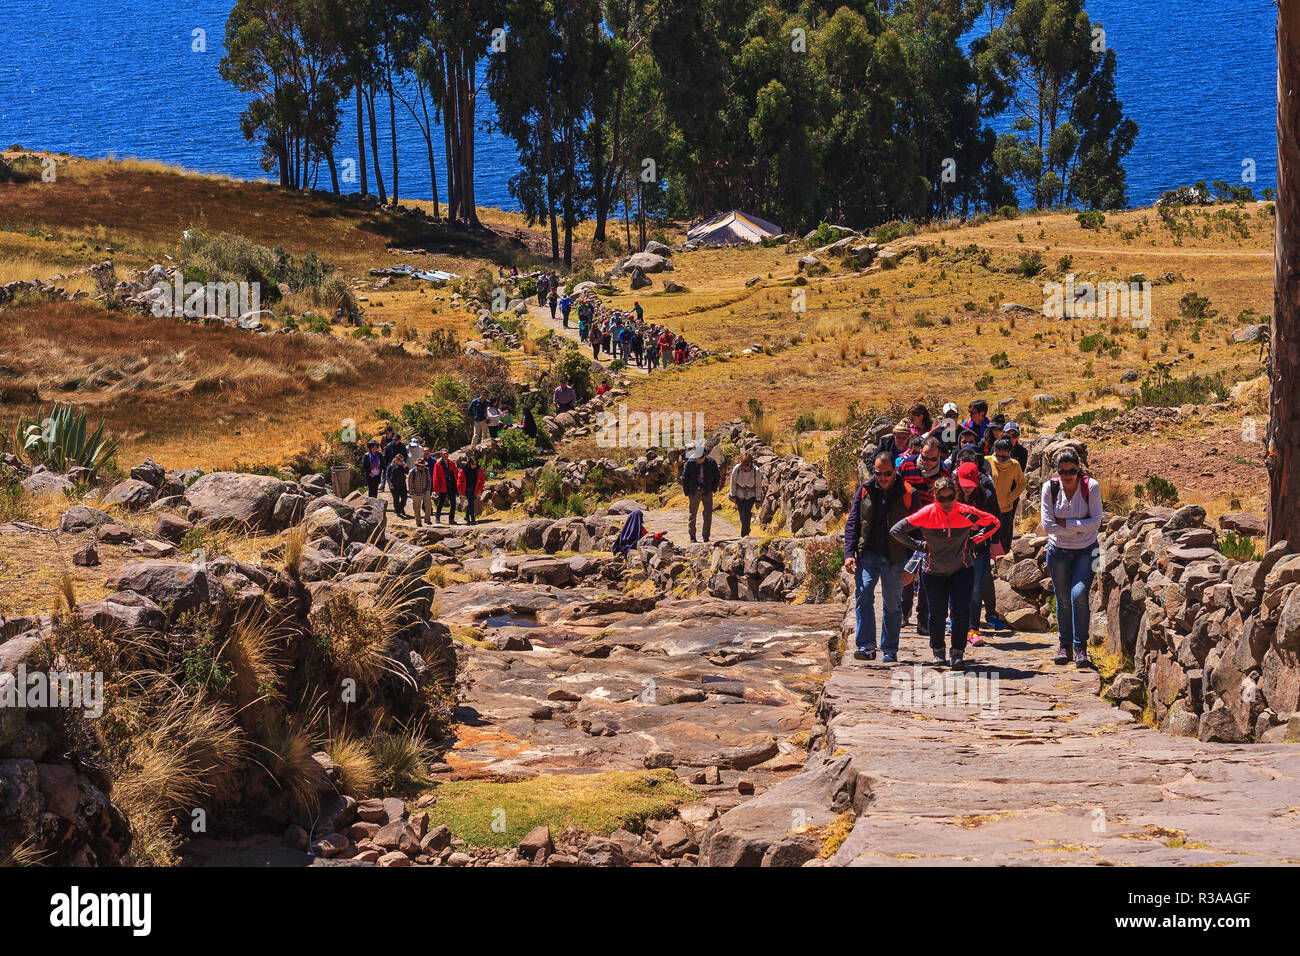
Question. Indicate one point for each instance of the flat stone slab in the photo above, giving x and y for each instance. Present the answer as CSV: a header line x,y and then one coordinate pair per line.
x,y
1046,773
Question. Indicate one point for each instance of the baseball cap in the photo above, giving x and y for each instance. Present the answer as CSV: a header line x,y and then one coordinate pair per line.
x,y
950,407
1012,427
968,475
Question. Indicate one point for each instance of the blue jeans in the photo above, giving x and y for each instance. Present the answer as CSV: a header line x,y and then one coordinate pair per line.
x,y
1072,571
874,567
945,591
982,595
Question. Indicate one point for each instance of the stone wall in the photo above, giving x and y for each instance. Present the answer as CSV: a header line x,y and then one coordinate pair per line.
x,y
1215,642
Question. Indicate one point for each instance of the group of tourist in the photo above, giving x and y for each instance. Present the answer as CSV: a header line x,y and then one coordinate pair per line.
x,y
939,506
428,482
488,416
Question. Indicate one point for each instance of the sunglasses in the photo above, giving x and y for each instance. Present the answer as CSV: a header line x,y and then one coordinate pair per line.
x,y
886,474
1067,472
947,498
929,457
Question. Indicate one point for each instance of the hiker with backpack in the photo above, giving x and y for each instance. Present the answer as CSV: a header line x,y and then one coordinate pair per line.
x,y
700,479
566,305
872,555
543,286
744,489
469,482
420,485
680,350
446,479
946,531
552,300
1071,515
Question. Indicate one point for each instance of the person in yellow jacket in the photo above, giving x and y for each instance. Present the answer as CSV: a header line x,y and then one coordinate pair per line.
x,y
1009,480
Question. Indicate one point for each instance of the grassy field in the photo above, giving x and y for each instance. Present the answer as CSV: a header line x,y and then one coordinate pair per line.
x,y
928,328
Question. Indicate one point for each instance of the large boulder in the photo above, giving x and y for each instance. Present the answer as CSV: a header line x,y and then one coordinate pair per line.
x,y
83,518
230,499
646,262
132,494
169,584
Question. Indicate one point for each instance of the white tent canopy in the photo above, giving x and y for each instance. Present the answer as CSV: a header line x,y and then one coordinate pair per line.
x,y
730,228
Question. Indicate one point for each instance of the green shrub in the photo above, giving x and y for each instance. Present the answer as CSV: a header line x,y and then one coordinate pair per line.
x,y
1239,547
1092,417
1091,219
518,448
1158,491
1029,264
572,366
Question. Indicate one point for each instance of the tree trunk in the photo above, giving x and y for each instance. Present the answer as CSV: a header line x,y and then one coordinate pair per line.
x,y
1284,338
374,148
466,117
428,143
361,141
334,170
392,122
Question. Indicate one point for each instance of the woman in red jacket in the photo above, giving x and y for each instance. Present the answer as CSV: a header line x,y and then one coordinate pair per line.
x,y
446,479
947,531
470,484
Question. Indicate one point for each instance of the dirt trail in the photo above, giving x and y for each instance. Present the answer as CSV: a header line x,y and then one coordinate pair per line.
x,y
542,316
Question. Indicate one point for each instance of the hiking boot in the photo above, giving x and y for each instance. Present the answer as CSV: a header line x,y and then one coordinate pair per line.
x,y
1062,656
996,623
888,658
974,638
1081,659
864,655
958,663
939,660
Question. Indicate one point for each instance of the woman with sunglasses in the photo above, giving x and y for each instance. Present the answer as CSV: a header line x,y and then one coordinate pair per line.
x,y
1071,516
947,531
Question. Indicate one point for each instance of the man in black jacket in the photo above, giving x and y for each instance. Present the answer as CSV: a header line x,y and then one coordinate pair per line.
x,y
871,554
700,479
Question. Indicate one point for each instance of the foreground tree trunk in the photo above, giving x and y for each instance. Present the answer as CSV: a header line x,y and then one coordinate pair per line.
x,y
1284,350
361,141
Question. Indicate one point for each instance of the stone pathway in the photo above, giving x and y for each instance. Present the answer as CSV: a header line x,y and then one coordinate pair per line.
x,y
542,316
675,522
1050,774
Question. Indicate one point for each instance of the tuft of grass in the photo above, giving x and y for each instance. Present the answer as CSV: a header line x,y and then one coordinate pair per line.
x,y
288,748
594,803
401,760
356,765
182,751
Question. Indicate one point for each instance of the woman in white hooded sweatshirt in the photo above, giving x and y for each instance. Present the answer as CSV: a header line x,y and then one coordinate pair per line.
x,y
1071,516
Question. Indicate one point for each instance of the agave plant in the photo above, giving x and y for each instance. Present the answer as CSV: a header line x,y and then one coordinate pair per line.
x,y
63,440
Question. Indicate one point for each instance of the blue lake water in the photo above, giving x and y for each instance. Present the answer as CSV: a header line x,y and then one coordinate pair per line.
x,y
119,78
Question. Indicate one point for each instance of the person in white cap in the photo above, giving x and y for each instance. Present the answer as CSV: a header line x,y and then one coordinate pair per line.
x,y
947,429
